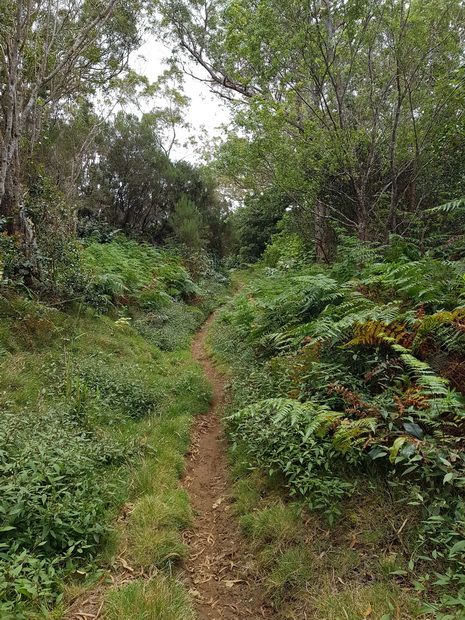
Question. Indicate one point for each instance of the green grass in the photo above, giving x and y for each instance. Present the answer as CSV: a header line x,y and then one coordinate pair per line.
x,y
280,524
161,598
332,573
291,571
116,411
379,601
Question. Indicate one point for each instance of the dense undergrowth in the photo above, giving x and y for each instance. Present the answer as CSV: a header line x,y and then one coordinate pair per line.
x,y
348,385
97,397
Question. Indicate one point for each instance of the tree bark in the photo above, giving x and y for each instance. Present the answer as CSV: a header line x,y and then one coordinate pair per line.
x,y
322,233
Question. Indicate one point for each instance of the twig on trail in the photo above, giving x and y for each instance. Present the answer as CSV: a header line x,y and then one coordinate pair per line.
x,y
99,610
196,555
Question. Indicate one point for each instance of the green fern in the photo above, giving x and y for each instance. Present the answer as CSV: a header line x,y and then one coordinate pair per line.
x,y
316,420
352,433
441,398
442,327
425,376
449,207
436,283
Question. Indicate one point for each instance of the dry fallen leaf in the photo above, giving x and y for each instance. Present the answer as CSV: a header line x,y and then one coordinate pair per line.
x,y
368,612
218,502
126,565
229,583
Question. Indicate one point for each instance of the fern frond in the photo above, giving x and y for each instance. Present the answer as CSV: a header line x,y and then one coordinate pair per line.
x,y
350,433
426,377
448,207
447,326
376,333
315,418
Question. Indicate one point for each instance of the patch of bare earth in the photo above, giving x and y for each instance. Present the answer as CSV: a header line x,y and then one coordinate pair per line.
x,y
219,560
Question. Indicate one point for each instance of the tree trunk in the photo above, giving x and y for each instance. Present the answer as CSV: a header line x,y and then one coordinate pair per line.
x,y
322,233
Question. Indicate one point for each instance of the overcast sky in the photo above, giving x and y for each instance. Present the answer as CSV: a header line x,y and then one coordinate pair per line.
x,y
205,111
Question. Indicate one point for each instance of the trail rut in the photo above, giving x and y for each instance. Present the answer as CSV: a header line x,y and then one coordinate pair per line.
x,y
219,559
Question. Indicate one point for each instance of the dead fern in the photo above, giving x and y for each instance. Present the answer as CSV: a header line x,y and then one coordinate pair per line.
x,y
376,333
413,397
355,405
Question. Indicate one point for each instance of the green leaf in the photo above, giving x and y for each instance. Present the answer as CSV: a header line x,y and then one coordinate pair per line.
x,y
414,430
396,446
459,546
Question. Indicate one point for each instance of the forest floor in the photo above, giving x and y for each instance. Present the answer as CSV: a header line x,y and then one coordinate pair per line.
x,y
219,560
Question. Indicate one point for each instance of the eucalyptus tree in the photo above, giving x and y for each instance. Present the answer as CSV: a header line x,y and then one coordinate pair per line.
x,y
346,102
52,51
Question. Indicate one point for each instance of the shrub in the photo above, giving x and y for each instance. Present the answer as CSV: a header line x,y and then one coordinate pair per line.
x,y
170,328
53,504
292,439
120,389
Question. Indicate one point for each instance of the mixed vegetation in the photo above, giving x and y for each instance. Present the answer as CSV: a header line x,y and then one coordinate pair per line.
x,y
338,191
97,401
348,392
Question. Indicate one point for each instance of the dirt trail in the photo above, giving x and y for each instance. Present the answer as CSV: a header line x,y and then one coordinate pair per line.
x,y
219,559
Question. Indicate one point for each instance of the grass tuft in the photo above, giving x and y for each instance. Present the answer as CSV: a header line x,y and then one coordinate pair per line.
x,y
280,524
155,525
161,598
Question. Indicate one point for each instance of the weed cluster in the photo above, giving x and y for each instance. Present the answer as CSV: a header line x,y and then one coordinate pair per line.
x,y
54,502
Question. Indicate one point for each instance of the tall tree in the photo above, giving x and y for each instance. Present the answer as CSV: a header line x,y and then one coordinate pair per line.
x,y
133,184
345,99
51,50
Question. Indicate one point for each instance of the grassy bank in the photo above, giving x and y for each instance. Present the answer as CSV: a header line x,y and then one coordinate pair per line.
x,y
95,417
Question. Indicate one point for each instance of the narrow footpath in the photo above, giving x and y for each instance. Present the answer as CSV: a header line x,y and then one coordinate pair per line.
x,y
219,560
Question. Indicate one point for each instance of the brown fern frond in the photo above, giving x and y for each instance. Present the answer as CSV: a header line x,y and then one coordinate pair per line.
x,y
413,397
355,404
421,312
376,333
400,405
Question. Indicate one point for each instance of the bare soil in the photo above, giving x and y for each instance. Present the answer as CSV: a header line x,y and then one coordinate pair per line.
x,y
219,561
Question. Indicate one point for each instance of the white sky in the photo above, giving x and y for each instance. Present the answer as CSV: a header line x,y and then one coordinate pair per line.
x,y
206,111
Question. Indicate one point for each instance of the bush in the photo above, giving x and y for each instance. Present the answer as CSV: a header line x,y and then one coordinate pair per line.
x,y
119,389
292,440
170,328
54,502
